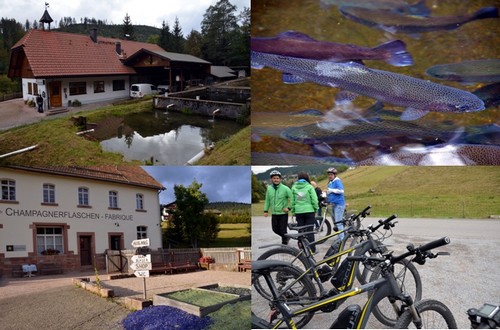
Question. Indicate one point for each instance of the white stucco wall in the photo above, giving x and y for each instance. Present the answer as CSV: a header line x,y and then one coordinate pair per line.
x,y
16,218
90,97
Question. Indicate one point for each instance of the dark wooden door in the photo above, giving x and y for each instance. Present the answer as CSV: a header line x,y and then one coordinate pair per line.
x,y
85,250
55,94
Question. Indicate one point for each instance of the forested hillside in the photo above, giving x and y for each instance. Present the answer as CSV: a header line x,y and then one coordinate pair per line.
x,y
232,212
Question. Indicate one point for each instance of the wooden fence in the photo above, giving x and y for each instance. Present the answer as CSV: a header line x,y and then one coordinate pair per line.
x,y
119,261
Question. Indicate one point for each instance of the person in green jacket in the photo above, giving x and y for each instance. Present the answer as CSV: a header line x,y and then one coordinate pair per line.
x,y
305,204
278,197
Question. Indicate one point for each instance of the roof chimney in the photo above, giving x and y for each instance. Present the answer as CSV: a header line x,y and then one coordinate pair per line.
x,y
93,34
118,47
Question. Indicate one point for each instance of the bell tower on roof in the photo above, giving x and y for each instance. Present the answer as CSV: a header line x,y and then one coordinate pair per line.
x,y
46,17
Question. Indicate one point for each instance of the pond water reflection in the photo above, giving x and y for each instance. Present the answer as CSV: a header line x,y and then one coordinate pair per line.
x,y
163,138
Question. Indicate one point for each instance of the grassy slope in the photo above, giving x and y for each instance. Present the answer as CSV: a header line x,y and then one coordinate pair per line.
x,y
436,192
232,151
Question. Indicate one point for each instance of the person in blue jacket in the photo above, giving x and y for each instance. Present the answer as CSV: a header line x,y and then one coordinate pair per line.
x,y
335,197
278,198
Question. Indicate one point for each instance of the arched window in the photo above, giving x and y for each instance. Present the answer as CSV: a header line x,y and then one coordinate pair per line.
x,y
113,199
139,201
83,196
8,190
49,193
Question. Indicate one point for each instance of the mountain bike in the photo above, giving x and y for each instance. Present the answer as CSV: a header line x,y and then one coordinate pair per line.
x,y
342,277
323,227
293,303
298,257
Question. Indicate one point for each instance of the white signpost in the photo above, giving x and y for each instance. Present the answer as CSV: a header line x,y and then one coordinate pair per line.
x,y
140,242
141,263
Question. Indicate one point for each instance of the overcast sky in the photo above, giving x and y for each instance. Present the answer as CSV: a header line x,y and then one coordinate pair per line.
x,y
146,12
220,183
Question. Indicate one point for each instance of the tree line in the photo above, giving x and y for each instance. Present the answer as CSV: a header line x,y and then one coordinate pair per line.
x,y
224,38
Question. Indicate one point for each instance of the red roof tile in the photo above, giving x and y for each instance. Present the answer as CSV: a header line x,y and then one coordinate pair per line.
x,y
59,54
133,175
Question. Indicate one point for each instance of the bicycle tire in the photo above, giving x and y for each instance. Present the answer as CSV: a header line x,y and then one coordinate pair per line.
x,y
325,231
302,293
446,321
288,254
383,311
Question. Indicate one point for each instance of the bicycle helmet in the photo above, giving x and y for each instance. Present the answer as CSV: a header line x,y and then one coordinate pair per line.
x,y
273,173
332,170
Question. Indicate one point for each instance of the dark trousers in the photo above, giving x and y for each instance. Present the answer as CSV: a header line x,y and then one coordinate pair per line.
x,y
307,219
40,107
279,224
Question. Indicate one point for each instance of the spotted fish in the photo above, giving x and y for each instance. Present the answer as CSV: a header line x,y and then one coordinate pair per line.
x,y
399,6
417,95
394,22
297,44
487,70
360,130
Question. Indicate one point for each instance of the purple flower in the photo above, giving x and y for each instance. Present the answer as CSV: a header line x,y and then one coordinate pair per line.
x,y
164,317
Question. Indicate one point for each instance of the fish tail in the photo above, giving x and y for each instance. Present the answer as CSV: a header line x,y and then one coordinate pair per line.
x,y
396,53
486,12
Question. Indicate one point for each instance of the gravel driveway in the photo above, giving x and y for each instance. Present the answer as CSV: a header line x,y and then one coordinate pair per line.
x,y
467,278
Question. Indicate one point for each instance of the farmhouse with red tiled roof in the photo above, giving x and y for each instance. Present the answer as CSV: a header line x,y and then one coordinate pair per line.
x,y
65,67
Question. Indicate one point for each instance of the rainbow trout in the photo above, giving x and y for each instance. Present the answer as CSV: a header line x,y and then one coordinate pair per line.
x,y
417,95
360,130
393,22
487,70
297,44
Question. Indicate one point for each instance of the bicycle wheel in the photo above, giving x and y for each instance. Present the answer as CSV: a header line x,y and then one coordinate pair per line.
x,y
288,254
434,315
325,228
408,280
301,293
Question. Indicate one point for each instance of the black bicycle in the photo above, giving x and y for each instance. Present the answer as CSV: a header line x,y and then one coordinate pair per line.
x,y
293,302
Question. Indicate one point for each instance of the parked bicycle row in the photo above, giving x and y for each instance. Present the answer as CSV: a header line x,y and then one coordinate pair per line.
x,y
290,284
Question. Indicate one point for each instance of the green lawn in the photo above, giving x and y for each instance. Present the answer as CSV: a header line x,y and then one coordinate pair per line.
x,y
233,234
421,191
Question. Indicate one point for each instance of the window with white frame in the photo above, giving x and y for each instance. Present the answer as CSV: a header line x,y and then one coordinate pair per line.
x,y
139,201
83,196
142,232
8,190
49,240
49,193
113,199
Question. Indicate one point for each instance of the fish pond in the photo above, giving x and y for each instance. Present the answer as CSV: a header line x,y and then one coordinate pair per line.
x,y
314,121
161,137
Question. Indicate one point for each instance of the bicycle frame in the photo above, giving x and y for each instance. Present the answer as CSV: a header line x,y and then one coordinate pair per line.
x,y
385,286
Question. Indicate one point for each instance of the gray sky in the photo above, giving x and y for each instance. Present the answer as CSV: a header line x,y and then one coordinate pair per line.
x,y
220,183
145,12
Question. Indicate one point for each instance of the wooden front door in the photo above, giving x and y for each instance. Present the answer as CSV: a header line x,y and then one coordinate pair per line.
x,y
55,94
85,250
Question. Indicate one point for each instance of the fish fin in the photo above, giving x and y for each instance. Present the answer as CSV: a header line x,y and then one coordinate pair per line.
x,y
289,78
295,35
376,107
413,114
344,97
397,54
486,12
419,9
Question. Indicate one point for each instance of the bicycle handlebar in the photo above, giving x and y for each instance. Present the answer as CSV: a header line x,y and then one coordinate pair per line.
x,y
412,251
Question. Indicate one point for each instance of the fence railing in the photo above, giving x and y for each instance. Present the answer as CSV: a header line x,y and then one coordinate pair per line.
x,y
119,261
10,96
